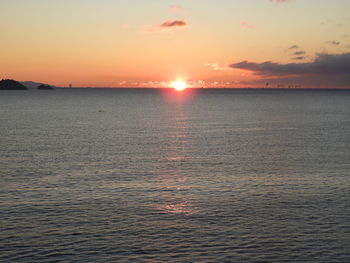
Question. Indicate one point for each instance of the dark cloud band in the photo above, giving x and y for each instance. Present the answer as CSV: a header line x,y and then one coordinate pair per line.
x,y
324,64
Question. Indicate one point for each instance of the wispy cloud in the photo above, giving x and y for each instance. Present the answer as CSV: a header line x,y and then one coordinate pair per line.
x,y
176,9
333,43
298,53
245,24
294,47
299,58
166,27
218,66
174,23
334,23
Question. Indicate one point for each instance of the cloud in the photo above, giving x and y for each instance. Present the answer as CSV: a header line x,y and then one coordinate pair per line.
x,y
176,8
334,43
294,47
298,53
218,66
174,23
326,71
324,64
166,27
299,58
245,24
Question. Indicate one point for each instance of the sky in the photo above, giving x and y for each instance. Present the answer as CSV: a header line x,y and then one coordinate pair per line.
x,y
211,43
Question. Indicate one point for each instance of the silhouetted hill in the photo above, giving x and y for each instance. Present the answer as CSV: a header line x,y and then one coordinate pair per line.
x,y
45,87
10,84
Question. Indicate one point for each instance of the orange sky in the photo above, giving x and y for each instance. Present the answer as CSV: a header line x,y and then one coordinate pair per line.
x,y
143,43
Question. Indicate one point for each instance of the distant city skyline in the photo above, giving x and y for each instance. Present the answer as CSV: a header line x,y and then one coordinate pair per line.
x,y
223,43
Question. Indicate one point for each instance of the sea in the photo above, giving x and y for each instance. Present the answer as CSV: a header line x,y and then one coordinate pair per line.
x,y
155,175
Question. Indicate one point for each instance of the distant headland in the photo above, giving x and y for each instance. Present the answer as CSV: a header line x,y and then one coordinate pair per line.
x,y
10,84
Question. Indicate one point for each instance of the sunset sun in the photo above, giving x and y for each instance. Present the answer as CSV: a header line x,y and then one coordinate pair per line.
x,y
179,85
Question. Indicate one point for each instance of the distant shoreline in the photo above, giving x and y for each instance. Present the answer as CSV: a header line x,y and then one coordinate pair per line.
x,y
209,88
188,89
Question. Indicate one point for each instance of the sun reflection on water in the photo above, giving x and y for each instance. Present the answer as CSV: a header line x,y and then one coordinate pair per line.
x,y
175,181
178,208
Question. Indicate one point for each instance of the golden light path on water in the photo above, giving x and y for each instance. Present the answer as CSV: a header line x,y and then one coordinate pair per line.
x,y
175,181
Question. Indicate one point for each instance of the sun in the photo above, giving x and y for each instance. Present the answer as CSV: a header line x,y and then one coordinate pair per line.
x,y
179,85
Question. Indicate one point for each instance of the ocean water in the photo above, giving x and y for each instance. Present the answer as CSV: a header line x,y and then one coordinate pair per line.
x,y
127,175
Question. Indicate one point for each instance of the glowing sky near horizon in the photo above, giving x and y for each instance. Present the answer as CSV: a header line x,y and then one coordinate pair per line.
x,y
107,43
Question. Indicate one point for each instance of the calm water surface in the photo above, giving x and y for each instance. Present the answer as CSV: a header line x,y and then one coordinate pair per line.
x,y
151,176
